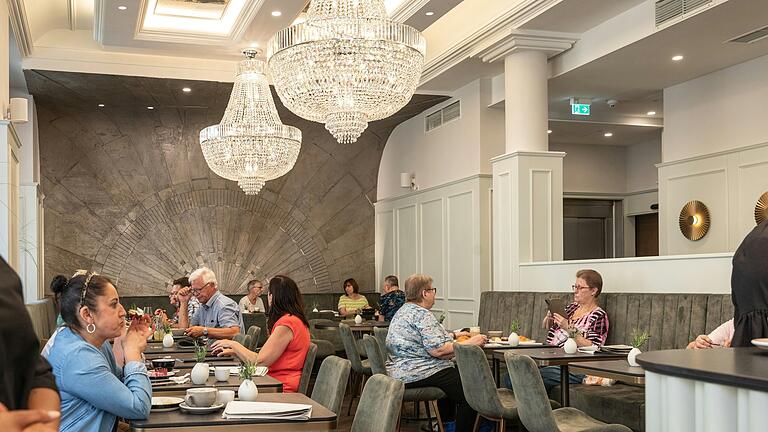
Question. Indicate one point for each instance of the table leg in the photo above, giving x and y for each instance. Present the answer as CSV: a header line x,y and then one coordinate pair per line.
x,y
565,391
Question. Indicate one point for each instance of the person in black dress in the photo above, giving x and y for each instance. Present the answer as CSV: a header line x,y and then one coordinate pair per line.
x,y
29,400
749,287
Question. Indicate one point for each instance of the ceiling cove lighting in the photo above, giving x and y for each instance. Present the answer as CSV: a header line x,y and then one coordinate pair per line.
x,y
186,89
677,58
430,13
347,65
651,113
608,134
122,8
276,13
150,107
101,105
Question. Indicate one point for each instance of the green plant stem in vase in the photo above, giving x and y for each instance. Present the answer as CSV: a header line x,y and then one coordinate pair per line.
x,y
200,351
639,338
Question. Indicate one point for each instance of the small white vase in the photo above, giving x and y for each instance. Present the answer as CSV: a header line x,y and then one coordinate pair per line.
x,y
247,391
513,339
200,373
315,310
570,346
632,356
168,340
358,319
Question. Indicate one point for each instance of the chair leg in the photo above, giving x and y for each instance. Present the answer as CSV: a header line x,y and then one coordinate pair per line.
x,y
429,414
437,416
501,425
477,423
352,390
400,417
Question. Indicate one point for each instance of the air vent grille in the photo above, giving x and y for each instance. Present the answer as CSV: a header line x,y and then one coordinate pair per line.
x,y
752,36
443,116
667,10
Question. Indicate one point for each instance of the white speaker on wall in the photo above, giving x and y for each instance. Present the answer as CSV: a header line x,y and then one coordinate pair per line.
x,y
17,113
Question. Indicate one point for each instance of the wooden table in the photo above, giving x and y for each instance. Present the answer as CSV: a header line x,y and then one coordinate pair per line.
x,y
265,384
155,349
177,421
363,327
558,357
618,370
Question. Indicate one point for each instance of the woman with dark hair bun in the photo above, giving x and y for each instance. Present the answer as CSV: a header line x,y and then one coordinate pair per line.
x,y
286,348
95,389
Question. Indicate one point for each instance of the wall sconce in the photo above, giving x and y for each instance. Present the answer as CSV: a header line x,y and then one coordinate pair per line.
x,y
408,180
694,220
17,111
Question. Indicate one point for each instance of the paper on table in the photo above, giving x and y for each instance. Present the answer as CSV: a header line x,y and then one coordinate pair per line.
x,y
267,410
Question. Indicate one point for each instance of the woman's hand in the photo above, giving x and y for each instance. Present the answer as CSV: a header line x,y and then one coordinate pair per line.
x,y
20,420
227,348
135,340
459,334
562,322
478,340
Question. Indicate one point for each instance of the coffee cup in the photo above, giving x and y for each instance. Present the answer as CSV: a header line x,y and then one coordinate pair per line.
x,y
225,396
200,397
222,373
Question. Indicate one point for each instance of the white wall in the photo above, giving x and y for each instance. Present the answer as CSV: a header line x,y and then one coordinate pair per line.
x,y
593,168
721,111
443,232
641,160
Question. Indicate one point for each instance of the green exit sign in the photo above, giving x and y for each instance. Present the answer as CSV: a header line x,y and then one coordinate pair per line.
x,y
580,109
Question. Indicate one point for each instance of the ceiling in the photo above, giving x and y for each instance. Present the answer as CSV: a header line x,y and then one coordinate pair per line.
x,y
585,132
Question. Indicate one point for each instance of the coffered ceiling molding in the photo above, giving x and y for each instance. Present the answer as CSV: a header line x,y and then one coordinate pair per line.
x,y
406,9
20,26
508,41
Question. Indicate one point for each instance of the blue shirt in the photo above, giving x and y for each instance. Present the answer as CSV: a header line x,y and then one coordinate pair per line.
x,y
94,391
219,311
413,332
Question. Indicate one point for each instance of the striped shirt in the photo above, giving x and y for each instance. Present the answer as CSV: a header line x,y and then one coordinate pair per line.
x,y
594,326
348,303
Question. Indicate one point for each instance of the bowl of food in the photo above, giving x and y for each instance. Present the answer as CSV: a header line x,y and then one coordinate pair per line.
x,y
494,334
164,363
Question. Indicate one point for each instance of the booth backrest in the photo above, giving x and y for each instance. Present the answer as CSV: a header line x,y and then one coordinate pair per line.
x,y
671,319
43,315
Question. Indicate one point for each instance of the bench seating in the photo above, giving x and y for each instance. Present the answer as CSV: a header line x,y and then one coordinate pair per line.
x,y
672,320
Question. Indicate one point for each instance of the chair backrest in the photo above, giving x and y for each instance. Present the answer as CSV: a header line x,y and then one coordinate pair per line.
x,y
240,338
350,347
254,332
533,406
331,383
379,407
306,371
375,355
477,380
247,341
331,334
258,319
381,335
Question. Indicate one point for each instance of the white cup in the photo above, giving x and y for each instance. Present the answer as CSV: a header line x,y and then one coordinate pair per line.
x,y
225,396
222,373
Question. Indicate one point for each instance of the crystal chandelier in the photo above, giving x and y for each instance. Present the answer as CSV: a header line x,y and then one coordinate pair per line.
x,y
346,65
250,145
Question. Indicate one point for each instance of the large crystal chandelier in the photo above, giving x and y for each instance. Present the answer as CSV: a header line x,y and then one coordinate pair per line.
x,y
346,65
250,145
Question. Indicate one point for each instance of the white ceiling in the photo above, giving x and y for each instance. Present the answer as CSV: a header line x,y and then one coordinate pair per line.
x,y
585,132
578,16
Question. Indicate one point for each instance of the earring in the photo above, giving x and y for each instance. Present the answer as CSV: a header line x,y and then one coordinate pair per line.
x,y
90,328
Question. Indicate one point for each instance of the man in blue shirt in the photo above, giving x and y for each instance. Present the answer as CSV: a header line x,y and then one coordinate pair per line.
x,y
218,316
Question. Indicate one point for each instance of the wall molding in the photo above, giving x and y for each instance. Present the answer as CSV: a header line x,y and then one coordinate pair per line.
x,y
407,9
712,155
555,154
433,188
20,27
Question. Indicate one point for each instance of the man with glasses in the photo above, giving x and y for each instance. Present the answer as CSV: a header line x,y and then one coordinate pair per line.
x,y
218,316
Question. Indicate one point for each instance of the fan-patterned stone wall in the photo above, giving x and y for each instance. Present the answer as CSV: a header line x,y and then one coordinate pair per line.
x,y
128,193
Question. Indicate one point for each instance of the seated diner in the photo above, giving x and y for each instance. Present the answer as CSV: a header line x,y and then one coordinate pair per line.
x,y
218,316
352,302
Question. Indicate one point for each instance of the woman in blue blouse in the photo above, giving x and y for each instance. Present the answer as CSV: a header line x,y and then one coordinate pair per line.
x,y
95,389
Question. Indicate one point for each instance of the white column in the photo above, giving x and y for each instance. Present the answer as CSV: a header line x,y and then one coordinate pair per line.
x,y
526,105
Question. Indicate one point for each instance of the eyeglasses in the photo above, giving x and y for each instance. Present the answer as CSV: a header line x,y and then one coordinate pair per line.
x,y
197,290
432,289
577,287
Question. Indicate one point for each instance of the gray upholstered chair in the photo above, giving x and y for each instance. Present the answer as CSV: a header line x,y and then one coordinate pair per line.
x,y
258,319
381,334
360,368
380,403
254,332
331,383
330,334
534,409
428,395
247,341
306,371
239,338
480,390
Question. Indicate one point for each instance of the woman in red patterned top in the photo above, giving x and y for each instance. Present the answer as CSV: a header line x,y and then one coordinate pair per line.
x,y
286,348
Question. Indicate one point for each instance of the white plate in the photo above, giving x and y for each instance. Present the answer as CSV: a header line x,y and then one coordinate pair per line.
x,y
165,403
200,410
588,349
762,343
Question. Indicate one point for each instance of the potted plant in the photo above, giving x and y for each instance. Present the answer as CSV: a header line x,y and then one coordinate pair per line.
x,y
314,307
247,390
514,338
168,338
570,345
201,370
639,338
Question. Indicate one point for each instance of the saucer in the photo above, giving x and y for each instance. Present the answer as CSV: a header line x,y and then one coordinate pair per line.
x,y
201,410
165,403
761,342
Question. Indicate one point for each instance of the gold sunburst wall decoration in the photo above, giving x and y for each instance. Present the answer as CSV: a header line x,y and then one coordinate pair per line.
x,y
761,209
694,220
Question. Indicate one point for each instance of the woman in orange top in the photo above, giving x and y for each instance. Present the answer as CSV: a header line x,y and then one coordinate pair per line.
x,y
286,348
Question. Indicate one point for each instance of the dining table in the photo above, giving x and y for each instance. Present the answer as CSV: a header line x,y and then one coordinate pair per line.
x,y
265,384
321,419
618,370
552,356
366,326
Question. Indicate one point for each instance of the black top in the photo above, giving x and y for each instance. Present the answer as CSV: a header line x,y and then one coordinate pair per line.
x,y
738,367
22,368
749,287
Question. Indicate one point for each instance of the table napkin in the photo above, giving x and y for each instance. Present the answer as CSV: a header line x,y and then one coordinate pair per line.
x,y
267,410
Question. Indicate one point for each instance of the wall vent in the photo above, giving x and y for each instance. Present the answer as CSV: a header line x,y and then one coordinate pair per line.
x,y
443,116
753,36
667,10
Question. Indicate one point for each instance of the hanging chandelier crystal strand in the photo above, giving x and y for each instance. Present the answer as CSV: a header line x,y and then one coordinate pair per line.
x,y
251,145
348,64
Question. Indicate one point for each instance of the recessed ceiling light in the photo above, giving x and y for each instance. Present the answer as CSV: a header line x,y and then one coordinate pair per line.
x,y
186,89
430,13
122,7
276,13
549,131
608,134
677,58
101,105
150,107
651,113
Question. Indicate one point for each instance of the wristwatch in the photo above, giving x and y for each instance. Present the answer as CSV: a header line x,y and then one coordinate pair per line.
x,y
205,331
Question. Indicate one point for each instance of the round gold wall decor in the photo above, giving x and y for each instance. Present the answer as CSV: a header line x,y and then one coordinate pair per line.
x,y
761,209
694,220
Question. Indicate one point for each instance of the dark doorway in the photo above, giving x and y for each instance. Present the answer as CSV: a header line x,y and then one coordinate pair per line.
x,y
588,229
647,235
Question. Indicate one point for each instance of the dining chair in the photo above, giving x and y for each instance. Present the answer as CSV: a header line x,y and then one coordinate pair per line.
x,y
428,395
379,408
497,405
534,409
239,338
330,334
254,332
331,383
306,371
360,368
381,334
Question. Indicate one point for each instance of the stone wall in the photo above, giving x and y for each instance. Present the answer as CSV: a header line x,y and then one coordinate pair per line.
x,y
128,193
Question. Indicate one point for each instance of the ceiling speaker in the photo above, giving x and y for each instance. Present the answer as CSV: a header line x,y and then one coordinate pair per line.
x,y
761,209
694,220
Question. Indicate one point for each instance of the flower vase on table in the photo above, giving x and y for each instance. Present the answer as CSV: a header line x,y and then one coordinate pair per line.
x,y
247,390
638,339
570,346
514,338
200,372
